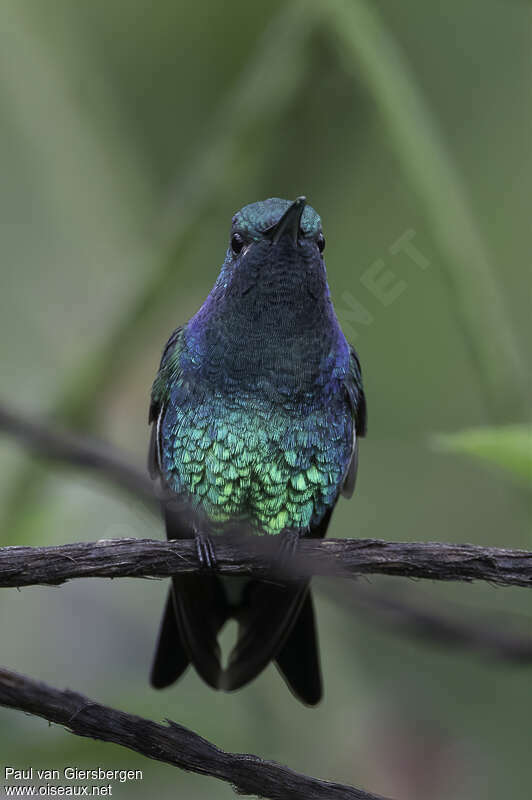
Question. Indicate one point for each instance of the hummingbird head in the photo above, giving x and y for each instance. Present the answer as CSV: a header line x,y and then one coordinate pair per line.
x,y
271,303
275,249
275,222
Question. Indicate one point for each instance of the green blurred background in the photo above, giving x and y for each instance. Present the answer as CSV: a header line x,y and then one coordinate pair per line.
x,y
131,132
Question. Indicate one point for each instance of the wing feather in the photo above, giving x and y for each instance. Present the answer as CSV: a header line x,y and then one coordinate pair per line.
x,y
158,404
357,401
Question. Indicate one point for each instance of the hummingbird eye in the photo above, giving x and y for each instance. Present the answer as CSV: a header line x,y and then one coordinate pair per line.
x,y
320,241
237,243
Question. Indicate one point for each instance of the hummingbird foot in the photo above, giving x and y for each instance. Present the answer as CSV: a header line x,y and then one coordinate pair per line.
x,y
205,551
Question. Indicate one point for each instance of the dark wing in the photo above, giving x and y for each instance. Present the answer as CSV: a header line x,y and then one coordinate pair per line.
x,y
357,401
158,403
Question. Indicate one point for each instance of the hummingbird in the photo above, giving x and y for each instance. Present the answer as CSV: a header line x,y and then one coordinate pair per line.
x,y
256,411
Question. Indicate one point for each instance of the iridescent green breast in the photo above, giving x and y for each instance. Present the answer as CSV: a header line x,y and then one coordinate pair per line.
x,y
240,458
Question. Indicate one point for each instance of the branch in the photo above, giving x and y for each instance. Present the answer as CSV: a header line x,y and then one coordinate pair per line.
x,y
255,556
76,450
172,744
498,638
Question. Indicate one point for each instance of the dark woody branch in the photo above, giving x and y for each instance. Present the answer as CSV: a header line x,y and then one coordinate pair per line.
x,y
255,556
171,743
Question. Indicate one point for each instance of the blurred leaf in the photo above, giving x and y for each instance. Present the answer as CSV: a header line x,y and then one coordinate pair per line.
x,y
370,51
509,447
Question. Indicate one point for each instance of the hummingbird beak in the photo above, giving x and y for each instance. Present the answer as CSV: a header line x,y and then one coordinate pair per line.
x,y
289,222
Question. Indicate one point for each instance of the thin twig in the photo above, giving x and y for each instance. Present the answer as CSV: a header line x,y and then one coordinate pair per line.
x,y
496,635
255,556
173,744
77,450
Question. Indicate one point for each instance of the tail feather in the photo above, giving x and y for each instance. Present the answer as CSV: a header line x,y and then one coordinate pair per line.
x,y
171,658
266,617
201,610
276,623
298,661
195,612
